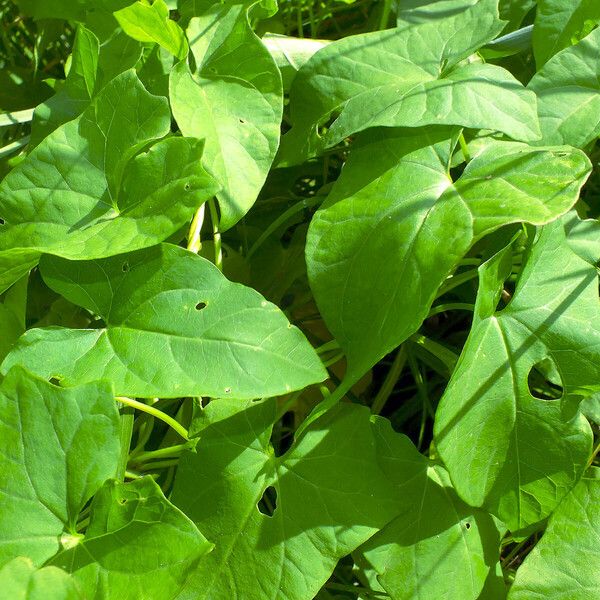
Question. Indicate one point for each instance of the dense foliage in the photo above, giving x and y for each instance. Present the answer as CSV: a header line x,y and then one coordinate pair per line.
x,y
299,301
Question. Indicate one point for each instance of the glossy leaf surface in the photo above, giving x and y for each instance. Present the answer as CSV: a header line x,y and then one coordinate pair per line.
x,y
395,226
412,76
58,447
234,100
137,545
506,449
345,478
82,194
564,564
569,94
214,337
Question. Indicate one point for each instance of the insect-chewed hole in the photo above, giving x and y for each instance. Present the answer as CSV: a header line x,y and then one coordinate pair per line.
x,y
268,503
125,267
187,187
242,121
544,381
122,500
200,305
467,525
2,221
228,390
55,379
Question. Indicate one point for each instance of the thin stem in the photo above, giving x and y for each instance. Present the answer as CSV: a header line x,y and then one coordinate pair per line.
x,y
464,148
159,464
336,358
390,381
594,454
385,14
327,347
194,240
456,280
423,394
127,418
214,217
143,435
281,220
161,453
14,146
178,427
440,308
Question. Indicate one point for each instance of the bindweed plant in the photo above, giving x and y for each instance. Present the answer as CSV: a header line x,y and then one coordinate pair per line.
x,y
299,301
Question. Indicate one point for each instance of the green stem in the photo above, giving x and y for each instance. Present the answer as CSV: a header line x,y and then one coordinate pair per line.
x,y
144,434
160,453
194,240
159,464
385,14
390,381
440,308
127,418
336,358
178,427
281,220
594,454
214,217
464,148
327,347
456,280
14,146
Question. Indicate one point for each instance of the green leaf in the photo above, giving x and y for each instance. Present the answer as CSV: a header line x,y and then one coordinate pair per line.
x,y
234,100
82,194
564,563
12,316
342,481
146,22
20,580
137,545
67,9
561,23
439,547
515,11
568,91
507,447
395,226
213,337
57,448
77,91
290,53
412,76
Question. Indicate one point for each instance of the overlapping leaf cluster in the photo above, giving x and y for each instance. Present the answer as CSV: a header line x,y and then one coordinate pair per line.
x,y
212,227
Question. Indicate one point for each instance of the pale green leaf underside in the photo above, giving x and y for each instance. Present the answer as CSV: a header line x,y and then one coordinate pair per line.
x,y
395,226
505,449
82,194
57,447
410,77
568,90
235,101
339,484
20,580
137,545
564,564
174,327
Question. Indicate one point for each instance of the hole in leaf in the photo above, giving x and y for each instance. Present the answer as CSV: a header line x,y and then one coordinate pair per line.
x,y
2,221
200,305
467,525
228,390
125,268
55,380
544,381
268,503
187,187
122,500
242,121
